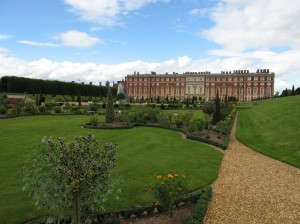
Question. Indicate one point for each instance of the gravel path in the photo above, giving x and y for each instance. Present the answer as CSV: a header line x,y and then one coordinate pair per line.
x,y
253,188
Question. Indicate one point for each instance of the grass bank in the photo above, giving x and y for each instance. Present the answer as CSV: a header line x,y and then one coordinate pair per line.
x,y
272,127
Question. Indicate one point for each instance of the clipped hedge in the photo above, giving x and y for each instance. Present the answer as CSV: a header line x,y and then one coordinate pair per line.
x,y
208,141
201,207
107,126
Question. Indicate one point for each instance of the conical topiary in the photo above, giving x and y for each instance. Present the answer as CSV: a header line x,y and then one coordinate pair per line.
x,y
109,113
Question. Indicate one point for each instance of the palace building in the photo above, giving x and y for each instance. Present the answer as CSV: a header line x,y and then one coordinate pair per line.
x,y
242,84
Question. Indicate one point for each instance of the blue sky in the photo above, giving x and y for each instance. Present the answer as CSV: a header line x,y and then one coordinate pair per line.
x,y
99,40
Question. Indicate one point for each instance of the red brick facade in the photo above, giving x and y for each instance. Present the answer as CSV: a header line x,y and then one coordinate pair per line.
x,y
242,84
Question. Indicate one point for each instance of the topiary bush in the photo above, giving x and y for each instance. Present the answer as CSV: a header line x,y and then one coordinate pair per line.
x,y
42,109
93,107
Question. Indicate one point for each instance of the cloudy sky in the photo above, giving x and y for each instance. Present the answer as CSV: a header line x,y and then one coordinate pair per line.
x,y
99,40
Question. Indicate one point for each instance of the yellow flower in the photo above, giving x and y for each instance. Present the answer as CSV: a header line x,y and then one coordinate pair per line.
x,y
158,177
170,175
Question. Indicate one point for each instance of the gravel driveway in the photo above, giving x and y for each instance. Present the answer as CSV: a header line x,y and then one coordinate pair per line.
x,y
253,188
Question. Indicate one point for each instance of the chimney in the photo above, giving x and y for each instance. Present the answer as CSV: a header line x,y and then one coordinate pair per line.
x,y
100,83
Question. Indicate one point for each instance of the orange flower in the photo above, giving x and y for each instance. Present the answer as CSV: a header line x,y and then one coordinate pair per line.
x,y
158,177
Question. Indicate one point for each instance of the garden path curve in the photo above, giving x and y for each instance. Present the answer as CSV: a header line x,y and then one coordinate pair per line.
x,y
253,188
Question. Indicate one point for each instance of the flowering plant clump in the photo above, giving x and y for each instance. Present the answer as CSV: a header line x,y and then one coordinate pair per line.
x,y
167,188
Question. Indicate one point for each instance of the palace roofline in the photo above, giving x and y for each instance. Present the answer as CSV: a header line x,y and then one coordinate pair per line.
x,y
204,73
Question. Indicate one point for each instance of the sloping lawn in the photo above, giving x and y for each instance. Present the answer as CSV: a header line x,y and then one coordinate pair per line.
x,y
273,128
143,151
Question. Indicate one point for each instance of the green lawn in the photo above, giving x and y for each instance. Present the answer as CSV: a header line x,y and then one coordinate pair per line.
x,y
196,113
272,128
143,151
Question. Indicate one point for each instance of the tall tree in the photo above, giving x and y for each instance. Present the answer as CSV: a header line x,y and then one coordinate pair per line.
x,y
109,113
61,175
217,112
187,103
293,91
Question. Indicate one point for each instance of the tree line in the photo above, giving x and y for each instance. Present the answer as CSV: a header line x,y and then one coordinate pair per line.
x,y
290,92
13,84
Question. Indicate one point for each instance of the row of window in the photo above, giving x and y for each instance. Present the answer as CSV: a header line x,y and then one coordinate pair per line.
x,y
249,78
195,91
156,79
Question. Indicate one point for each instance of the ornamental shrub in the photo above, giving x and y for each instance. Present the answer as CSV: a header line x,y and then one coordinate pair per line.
x,y
75,109
94,121
178,120
71,175
3,109
164,119
197,125
42,109
57,109
93,107
167,189
223,127
29,108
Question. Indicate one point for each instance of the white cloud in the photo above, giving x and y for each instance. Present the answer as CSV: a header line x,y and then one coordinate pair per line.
x,y
3,51
285,65
38,44
184,61
199,12
3,37
75,38
105,12
247,24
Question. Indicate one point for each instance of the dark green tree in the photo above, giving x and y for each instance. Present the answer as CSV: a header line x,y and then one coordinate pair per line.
x,y
79,100
157,100
293,91
120,96
37,100
217,112
226,100
187,103
109,113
